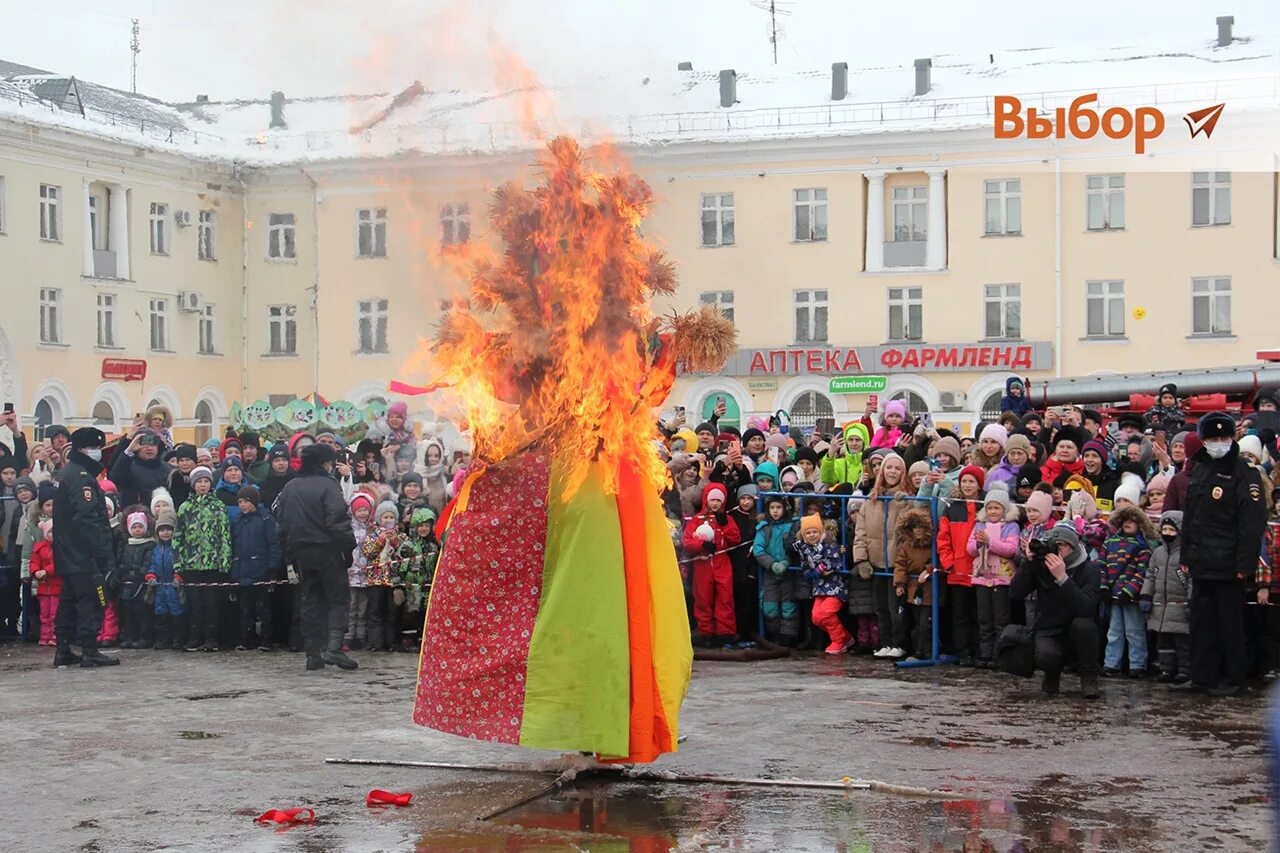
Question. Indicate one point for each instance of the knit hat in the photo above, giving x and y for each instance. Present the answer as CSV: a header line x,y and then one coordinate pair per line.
x,y
878,453
749,490
1041,501
250,439
950,447
9,463
231,462
1252,445
136,518
1078,437
920,467
46,491
750,434
1000,495
1028,475
399,407
278,451
183,451
166,518
423,515
975,472
810,522
108,487
1159,481
705,426
1094,446
1172,517
410,477
24,483
384,508
200,472
996,433
1180,438
225,447
1216,425
715,487
1167,388
1064,532
1130,489
808,453
250,494
1032,416
1018,441
778,440
361,498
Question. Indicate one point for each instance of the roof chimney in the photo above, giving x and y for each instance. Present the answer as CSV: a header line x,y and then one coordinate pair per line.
x,y
277,110
202,99
923,83
1224,29
685,66
839,80
728,87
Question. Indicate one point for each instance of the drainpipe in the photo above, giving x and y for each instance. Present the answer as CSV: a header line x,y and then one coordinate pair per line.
x,y
1057,266
244,286
315,283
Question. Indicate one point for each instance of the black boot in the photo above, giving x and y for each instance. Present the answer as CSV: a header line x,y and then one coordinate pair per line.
x,y
1089,688
94,658
315,662
65,657
334,656
1051,683
163,640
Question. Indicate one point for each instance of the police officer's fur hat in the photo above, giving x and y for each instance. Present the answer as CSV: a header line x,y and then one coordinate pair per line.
x,y
1216,425
87,437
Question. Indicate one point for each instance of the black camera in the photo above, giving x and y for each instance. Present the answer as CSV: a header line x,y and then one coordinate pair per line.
x,y
1042,547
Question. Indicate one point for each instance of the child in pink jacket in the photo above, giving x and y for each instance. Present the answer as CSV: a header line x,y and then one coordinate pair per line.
x,y
890,432
993,545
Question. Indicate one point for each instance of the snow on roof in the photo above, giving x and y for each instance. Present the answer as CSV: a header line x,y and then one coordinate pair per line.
x,y
676,106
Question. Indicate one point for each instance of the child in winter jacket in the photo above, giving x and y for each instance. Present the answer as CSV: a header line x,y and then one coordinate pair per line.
x,y
843,462
874,550
769,551
1082,512
164,585
137,621
1015,397
707,535
418,556
746,570
993,544
913,576
819,563
1166,597
890,431
989,451
228,487
361,504
956,522
255,557
48,584
862,604
202,555
942,479
1125,556
411,497
382,549
1017,452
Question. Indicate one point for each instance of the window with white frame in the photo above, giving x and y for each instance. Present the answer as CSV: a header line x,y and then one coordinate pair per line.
x,y
159,220
455,223
1105,309
207,235
50,212
1104,201
1003,311
2,207
810,215
371,232
107,320
371,325
95,229
811,316
160,325
281,229
717,219
910,214
50,315
1210,198
1003,206
906,313
1211,306
208,338
282,329
722,299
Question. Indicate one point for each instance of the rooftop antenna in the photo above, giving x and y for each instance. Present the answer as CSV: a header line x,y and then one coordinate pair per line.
x,y
136,47
774,8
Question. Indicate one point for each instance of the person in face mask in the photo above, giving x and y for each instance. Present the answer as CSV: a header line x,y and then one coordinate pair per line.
x,y
1222,529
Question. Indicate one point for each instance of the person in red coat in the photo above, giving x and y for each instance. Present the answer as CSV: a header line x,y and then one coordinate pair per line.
x,y
710,534
1068,444
49,585
955,523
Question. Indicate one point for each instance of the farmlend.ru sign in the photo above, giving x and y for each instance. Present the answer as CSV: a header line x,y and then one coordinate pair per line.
x,y
907,358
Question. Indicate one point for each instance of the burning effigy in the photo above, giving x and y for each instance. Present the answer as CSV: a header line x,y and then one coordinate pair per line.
x,y
557,616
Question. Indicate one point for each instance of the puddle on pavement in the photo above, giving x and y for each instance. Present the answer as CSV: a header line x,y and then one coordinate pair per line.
x,y
650,817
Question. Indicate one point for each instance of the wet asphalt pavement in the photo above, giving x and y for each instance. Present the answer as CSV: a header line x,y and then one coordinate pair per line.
x,y
175,751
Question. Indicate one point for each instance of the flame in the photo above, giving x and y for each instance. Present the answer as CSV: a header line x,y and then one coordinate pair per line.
x,y
554,344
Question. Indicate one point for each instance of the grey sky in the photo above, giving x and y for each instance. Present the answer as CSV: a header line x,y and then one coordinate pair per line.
x,y
249,47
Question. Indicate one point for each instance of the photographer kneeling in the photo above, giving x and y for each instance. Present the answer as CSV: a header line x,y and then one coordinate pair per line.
x,y
1065,582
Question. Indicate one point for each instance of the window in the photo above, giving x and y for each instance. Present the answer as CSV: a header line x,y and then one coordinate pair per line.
x,y
160,325
1210,198
207,236
280,236
282,329
811,315
1211,306
1104,196
910,214
204,422
455,223
107,320
1004,311
159,219
208,340
717,219
808,407
1003,206
50,315
371,232
371,325
50,212
95,230
44,417
722,299
906,313
810,215
104,416
732,413
1105,309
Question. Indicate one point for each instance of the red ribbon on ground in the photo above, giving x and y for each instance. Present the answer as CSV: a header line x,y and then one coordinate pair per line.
x,y
287,816
379,797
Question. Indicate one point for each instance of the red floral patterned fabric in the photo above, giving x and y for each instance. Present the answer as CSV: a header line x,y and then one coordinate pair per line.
x,y
488,585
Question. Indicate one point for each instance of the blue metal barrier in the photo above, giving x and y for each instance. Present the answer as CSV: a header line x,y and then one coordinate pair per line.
x,y
800,499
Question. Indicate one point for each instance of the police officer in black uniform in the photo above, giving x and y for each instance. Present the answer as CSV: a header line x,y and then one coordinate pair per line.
x,y
82,551
1222,529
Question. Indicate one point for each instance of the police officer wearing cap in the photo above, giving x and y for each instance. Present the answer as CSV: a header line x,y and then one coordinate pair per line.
x,y
82,551
1222,527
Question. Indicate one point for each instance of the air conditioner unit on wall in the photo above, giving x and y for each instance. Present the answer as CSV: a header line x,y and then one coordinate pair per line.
x,y
189,302
182,218
952,400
